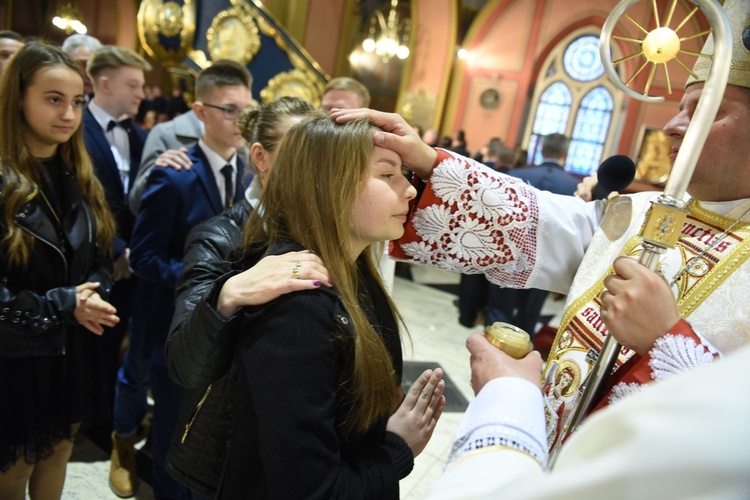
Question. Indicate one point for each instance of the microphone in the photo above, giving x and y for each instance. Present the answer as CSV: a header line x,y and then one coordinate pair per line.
x,y
614,174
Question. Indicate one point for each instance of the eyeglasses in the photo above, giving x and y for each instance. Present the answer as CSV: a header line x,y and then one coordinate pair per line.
x,y
231,112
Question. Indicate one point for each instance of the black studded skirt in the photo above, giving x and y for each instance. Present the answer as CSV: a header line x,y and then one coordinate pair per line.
x,y
42,397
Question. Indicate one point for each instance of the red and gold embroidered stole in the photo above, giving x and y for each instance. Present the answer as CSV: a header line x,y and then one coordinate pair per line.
x,y
581,333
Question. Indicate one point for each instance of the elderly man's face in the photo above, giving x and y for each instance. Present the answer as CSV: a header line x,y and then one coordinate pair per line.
x,y
342,99
723,169
81,56
8,47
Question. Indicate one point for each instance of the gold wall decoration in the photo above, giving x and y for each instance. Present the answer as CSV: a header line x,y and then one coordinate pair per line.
x,y
654,163
199,58
295,83
419,108
169,20
233,35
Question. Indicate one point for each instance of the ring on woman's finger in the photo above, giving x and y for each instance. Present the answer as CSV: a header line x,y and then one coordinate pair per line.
x,y
295,271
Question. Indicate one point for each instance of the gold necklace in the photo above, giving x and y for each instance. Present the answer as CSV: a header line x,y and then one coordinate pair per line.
x,y
695,260
54,213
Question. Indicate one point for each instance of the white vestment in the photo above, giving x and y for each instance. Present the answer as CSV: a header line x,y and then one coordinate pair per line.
x,y
686,437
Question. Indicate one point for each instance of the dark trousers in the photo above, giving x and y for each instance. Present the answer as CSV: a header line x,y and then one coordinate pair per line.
x,y
167,399
109,349
517,307
472,297
130,404
122,299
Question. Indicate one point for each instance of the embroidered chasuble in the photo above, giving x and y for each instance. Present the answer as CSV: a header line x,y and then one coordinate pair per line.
x,y
471,219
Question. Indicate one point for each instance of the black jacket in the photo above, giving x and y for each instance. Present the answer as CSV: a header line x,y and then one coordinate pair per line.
x,y
37,300
200,349
294,355
197,350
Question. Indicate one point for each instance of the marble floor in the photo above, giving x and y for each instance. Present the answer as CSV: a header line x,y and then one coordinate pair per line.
x,y
435,336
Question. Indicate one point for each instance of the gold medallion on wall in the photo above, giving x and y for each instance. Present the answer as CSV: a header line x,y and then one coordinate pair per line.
x,y
233,35
419,108
166,29
295,83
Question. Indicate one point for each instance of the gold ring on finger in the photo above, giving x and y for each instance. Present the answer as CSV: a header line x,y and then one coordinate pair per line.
x,y
295,271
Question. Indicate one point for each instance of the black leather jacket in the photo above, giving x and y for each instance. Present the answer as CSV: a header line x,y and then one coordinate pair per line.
x,y
37,300
197,350
200,350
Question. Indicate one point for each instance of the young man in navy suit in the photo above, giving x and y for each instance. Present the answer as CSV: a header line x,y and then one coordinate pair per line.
x,y
115,145
550,175
173,203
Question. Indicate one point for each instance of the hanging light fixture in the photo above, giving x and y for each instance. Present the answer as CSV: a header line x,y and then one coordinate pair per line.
x,y
68,18
388,38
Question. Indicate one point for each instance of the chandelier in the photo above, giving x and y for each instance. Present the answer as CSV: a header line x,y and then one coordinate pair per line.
x,y
392,39
68,18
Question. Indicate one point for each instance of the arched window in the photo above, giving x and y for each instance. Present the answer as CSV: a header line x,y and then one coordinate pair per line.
x,y
590,132
551,115
574,97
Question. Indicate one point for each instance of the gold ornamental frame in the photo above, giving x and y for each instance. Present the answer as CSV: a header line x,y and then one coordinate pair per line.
x,y
233,35
169,19
296,83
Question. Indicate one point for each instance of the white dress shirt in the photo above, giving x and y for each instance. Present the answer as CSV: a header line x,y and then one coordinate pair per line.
x,y
216,162
118,139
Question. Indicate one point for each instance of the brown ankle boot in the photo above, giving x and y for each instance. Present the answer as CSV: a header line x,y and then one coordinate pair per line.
x,y
122,477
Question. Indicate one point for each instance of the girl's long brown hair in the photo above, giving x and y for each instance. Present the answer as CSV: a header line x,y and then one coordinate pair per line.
x,y
17,166
318,173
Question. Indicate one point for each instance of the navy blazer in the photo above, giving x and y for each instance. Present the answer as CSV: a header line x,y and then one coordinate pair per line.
x,y
173,203
106,170
548,176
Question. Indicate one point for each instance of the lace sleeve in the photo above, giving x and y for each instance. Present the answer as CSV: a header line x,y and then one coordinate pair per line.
x,y
484,222
472,219
675,354
679,351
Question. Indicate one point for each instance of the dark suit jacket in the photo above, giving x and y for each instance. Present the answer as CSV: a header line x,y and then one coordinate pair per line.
x,y
173,203
548,176
106,170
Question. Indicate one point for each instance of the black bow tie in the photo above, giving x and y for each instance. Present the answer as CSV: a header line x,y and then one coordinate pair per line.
x,y
126,123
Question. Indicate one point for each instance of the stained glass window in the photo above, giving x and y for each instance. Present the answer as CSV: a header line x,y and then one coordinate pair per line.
x,y
590,131
573,98
581,59
551,117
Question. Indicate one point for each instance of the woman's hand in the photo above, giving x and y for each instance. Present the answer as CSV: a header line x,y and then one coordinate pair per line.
x,y
638,306
91,311
416,417
121,269
270,278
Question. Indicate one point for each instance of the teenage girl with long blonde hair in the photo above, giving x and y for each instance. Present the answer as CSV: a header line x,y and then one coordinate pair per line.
x,y
317,409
